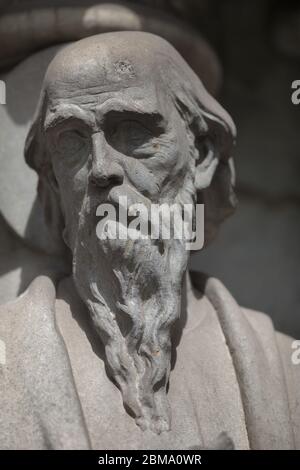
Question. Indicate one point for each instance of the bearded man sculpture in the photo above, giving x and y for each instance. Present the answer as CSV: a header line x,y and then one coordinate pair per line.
x,y
130,351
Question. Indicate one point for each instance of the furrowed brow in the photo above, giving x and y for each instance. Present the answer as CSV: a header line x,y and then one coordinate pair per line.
x,y
62,114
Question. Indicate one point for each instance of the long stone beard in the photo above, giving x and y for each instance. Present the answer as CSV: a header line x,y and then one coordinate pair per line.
x,y
132,289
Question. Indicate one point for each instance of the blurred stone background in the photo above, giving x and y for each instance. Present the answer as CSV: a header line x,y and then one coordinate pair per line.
x,y
257,252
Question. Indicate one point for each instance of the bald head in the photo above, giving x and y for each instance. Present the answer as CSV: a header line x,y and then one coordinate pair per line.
x,y
122,60
110,62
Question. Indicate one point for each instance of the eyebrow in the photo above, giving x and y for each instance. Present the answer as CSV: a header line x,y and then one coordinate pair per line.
x,y
61,113
119,106
118,109
154,117
67,113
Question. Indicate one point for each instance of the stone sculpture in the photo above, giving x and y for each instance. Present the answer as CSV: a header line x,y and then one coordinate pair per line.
x,y
30,34
130,352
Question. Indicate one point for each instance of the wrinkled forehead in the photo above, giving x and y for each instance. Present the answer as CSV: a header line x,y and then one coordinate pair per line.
x,y
90,76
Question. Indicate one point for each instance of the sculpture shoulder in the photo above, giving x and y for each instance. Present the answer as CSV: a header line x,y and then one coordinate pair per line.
x,y
281,354
30,309
234,319
261,323
40,404
288,348
268,380
290,356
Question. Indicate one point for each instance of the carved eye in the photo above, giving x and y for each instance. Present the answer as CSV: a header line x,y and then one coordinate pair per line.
x,y
128,136
71,141
73,144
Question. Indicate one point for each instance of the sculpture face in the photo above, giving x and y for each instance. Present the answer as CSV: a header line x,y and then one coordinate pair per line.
x,y
129,141
121,116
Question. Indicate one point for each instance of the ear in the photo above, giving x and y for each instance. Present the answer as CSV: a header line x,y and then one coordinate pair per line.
x,y
206,164
215,176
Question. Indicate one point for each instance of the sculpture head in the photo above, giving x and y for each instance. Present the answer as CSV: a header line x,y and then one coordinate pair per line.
x,y
122,114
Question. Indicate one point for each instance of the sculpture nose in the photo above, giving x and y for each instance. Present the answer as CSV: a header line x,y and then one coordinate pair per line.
x,y
105,172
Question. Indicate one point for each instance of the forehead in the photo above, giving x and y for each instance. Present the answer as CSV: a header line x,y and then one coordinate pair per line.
x,y
100,100
101,79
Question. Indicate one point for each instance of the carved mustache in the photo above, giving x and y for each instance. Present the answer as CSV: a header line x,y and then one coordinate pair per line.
x,y
112,196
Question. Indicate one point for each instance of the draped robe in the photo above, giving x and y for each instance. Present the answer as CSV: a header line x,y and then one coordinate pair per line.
x,y
231,372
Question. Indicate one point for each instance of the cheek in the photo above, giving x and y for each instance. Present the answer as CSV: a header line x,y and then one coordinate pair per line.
x,y
153,164
72,187
163,170
142,177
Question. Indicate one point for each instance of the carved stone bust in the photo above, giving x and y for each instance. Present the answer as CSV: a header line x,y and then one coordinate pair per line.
x,y
131,351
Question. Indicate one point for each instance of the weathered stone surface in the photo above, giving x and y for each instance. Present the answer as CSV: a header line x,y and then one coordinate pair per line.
x,y
130,352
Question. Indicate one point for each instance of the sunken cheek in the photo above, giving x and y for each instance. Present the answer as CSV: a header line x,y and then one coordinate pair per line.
x,y
152,175
145,180
72,187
